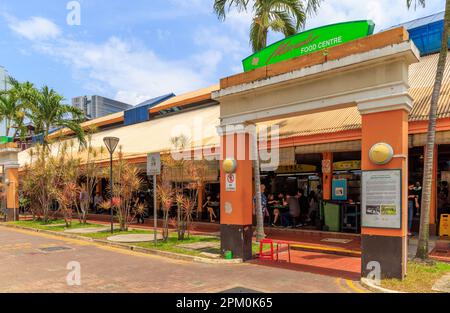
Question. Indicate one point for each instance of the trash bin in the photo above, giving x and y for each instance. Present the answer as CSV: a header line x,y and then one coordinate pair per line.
x,y
228,255
332,215
444,226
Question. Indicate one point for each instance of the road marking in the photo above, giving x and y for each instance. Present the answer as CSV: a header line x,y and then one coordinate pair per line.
x,y
339,284
347,286
353,287
94,244
49,236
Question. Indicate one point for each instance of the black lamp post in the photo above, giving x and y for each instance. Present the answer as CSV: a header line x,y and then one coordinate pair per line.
x,y
111,144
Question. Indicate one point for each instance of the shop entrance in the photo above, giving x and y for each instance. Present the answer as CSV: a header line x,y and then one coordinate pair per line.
x,y
373,77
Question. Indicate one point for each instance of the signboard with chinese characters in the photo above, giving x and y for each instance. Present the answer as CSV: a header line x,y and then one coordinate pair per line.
x,y
381,205
347,165
230,184
153,164
308,42
298,168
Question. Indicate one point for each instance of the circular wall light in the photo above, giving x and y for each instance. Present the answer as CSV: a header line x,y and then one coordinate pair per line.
x,y
229,165
381,153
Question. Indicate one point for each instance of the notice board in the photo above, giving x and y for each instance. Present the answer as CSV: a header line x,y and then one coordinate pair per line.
x,y
381,195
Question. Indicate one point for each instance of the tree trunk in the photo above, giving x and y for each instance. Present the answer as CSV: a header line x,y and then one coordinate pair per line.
x,y
256,175
424,234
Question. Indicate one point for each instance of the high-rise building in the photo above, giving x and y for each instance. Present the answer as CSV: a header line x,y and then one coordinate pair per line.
x,y
3,86
97,106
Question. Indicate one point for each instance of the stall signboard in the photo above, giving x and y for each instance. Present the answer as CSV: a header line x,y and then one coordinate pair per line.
x,y
382,199
153,164
339,187
347,165
230,184
297,168
307,42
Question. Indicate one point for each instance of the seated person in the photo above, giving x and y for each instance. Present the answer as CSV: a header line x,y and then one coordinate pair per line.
x,y
209,207
271,203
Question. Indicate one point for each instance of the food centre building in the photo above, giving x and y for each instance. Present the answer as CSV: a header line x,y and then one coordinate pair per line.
x,y
350,112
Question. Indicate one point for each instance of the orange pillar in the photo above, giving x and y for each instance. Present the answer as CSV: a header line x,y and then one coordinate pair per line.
x,y
236,203
384,247
12,193
327,172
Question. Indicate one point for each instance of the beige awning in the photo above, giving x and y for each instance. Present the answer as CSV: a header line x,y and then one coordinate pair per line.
x,y
344,146
420,140
198,126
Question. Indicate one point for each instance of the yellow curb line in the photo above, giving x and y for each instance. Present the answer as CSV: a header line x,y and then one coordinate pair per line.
x,y
353,287
325,249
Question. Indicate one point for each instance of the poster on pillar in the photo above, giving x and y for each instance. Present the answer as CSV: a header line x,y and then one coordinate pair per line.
x,y
382,199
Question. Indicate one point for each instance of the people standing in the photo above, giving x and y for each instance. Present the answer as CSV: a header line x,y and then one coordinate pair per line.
x,y
313,207
304,206
263,204
418,193
98,199
291,217
413,202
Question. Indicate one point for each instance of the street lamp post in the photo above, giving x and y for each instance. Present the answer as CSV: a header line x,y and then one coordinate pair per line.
x,y
111,144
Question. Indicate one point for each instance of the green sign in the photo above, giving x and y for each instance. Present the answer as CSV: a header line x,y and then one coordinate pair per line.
x,y
308,42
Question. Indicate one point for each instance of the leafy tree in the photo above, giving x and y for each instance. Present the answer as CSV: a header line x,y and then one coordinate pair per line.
x,y
282,16
46,111
424,234
13,103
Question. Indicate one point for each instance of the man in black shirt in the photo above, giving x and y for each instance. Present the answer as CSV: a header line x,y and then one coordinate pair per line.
x,y
304,205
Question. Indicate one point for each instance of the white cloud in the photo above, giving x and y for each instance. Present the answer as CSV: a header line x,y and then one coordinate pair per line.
x,y
385,13
134,73
35,28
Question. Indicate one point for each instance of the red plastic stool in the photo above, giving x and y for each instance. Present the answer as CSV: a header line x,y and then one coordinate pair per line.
x,y
268,255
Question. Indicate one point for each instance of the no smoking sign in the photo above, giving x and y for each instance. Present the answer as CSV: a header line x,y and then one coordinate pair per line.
x,y
231,182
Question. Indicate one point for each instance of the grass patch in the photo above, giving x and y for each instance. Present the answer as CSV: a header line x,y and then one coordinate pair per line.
x,y
420,278
172,244
55,225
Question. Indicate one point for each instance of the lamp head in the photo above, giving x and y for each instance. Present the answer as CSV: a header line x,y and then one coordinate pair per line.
x,y
111,143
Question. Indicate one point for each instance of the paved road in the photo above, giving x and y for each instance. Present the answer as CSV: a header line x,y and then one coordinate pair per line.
x,y
26,268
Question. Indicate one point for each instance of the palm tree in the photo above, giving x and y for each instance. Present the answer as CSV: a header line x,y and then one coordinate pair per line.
x,y
9,108
283,16
22,93
424,234
46,112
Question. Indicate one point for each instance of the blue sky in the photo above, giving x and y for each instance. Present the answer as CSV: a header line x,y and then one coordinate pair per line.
x,y
136,49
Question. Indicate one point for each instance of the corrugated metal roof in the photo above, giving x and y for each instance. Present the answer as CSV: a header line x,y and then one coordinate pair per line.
x,y
187,97
318,123
422,21
421,80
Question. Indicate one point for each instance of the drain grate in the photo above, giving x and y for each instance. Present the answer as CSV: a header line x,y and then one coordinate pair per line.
x,y
240,290
55,249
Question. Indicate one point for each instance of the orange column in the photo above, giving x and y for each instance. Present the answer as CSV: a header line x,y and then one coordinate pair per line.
x,y
327,176
384,121
12,193
236,205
